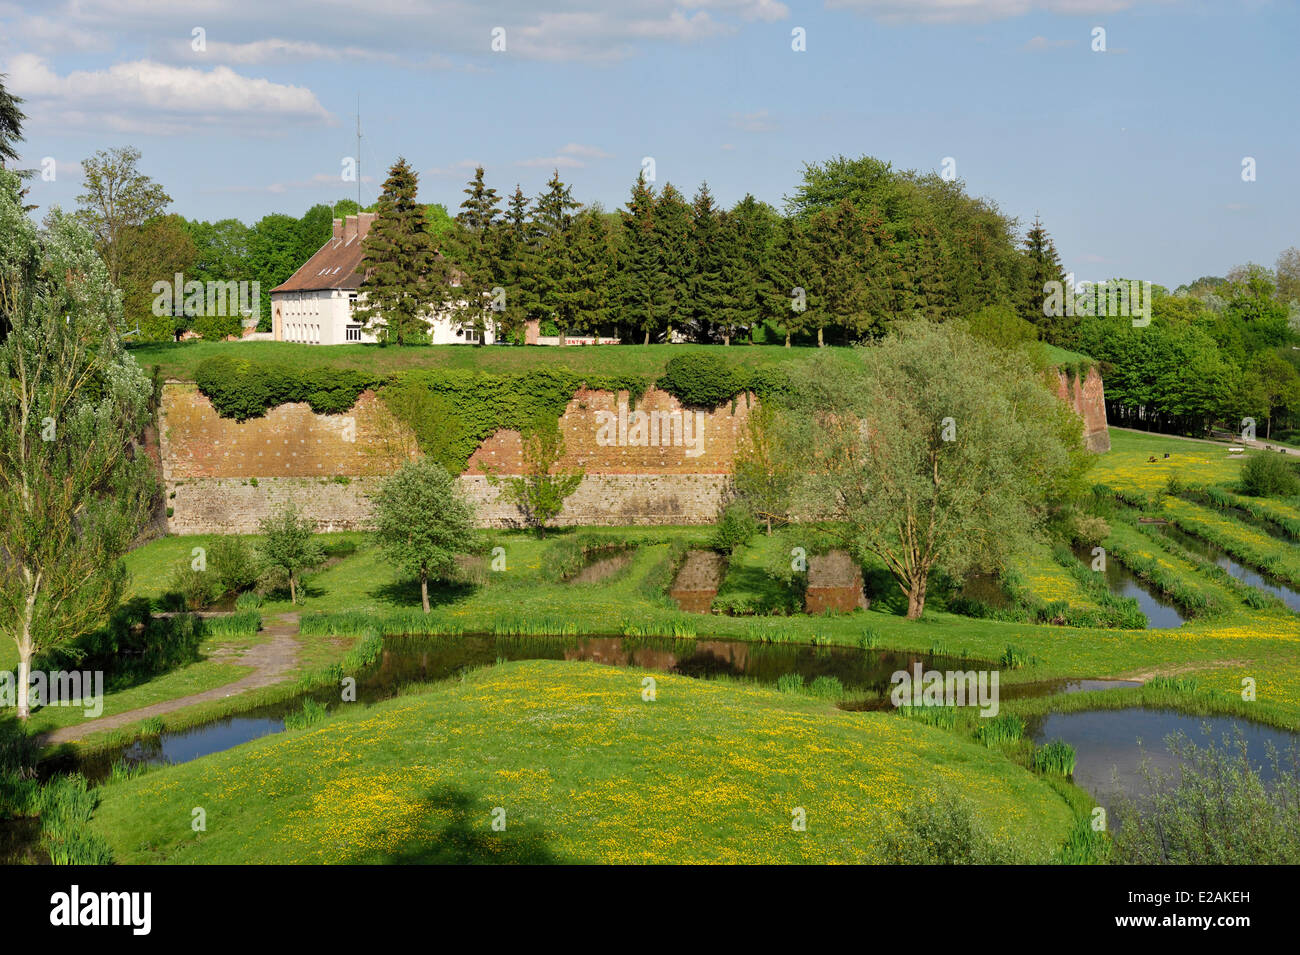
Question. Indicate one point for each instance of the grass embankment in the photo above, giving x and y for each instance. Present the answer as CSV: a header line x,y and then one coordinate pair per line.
x,y
585,770
179,360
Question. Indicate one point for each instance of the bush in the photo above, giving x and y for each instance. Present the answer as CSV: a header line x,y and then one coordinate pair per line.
x,y
734,529
1199,815
231,561
700,379
944,832
1269,475
194,588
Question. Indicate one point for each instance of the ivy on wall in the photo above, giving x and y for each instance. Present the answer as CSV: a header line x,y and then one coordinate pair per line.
x,y
243,389
452,412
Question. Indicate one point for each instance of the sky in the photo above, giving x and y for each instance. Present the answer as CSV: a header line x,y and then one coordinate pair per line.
x,y
1131,144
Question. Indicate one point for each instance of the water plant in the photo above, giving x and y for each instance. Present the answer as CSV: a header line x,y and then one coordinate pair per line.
x,y
944,717
999,730
1055,758
311,713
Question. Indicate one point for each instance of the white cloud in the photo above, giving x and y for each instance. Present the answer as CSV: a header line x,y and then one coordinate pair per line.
x,y
588,152
1041,44
947,11
555,162
758,121
243,32
146,96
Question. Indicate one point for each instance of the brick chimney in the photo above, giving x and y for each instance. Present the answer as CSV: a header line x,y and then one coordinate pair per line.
x,y
349,228
338,229
364,220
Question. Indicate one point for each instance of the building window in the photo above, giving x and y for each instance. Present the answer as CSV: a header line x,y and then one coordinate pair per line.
x,y
470,333
354,333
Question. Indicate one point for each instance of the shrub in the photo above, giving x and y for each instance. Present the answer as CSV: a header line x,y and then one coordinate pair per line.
x,y
231,561
194,588
1090,529
1199,814
1269,475
700,379
944,832
734,529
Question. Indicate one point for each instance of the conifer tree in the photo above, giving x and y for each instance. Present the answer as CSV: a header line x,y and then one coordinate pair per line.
x,y
476,240
1043,265
747,236
792,283
677,259
405,277
641,285
11,124
517,257
705,304
553,220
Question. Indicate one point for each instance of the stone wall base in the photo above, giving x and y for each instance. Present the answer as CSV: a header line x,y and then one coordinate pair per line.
x,y
237,506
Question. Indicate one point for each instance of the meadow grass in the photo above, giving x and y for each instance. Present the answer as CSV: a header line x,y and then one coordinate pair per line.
x,y
585,770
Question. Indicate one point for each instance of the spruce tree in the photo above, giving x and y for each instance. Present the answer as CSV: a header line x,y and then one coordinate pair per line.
x,y
641,285
11,124
677,258
405,279
553,222
706,303
477,238
792,281
1043,265
747,237
517,253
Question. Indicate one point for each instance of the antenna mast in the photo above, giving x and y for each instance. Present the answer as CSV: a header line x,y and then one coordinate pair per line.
x,y
358,153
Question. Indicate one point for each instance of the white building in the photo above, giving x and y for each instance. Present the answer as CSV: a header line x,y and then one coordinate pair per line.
x,y
315,305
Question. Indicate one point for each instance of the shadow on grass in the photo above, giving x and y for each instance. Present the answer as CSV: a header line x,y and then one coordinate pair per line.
x,y
406,593
468,838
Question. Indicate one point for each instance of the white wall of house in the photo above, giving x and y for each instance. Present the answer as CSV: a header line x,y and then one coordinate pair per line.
x,y
326,317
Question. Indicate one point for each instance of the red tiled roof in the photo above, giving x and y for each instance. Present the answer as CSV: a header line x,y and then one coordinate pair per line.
x,y
337,264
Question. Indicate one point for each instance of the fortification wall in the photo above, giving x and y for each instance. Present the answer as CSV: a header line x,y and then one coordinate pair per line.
x,y
657,463
1087,396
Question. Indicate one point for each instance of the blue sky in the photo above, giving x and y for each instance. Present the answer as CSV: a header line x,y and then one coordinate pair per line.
x,y
1132,156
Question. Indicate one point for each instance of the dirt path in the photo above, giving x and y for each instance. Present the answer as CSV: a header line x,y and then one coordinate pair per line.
x,y
270,661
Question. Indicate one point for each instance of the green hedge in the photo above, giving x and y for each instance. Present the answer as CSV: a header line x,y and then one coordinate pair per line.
x,y
243,389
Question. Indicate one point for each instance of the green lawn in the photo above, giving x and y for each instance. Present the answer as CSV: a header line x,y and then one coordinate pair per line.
x,y
585,772
179,359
